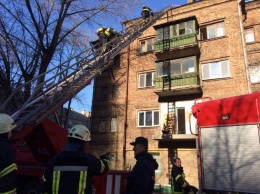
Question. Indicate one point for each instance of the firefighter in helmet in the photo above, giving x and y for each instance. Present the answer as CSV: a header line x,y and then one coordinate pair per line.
x,y
71,171
111,33
8,168
102,36
146,13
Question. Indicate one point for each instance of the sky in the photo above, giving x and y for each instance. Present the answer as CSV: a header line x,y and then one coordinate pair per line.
x,y
86,94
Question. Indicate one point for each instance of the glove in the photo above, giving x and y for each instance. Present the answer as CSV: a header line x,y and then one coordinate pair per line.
x,y
105,156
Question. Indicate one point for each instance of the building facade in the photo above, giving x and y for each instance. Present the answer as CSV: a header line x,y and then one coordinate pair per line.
x,y
208,48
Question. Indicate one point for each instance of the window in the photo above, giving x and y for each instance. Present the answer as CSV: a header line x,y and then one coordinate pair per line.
x,y
115,91
250,35
182,28
254,74
146,46
145,80
163,33
215,70
102,125
104,93
113,124
116,62
156,156
176,67
181,120
212,31
148,118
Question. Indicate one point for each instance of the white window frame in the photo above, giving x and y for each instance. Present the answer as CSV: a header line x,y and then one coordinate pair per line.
x,y
218,29
222,67
144,112
254,72
144,45
113,124
143,76
250,36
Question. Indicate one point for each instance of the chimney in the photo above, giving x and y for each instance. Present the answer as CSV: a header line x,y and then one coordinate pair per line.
x,y
190,1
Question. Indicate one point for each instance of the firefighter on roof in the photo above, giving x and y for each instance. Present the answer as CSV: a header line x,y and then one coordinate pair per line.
x,y
71,171
146,13
8,168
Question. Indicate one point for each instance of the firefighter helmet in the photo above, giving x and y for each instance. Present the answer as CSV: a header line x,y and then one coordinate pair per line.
x,y
101,29
79,132
6,123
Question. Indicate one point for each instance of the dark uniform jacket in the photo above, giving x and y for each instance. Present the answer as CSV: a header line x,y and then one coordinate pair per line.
x,y
8,168
71,172
146,12
142,178
178,180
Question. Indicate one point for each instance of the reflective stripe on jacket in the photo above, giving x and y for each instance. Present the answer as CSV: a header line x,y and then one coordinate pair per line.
x,y
178,181
71,173
8,168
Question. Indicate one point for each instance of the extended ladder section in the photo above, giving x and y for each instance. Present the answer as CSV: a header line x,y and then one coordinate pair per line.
x,y
64,81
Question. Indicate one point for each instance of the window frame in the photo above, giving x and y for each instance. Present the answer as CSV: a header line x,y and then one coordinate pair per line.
x,y
104,93
170,66
146,44
254,72
144,112
171,31
211,73
112,125
247,35
115,91
102,123
216,30
145,80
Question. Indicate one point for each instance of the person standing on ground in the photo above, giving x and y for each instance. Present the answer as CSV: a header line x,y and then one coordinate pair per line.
x,y
146,13
142,177
71,171
8,168
179,184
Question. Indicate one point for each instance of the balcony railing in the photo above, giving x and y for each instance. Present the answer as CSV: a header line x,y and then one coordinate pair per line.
x,y
169,82
178,41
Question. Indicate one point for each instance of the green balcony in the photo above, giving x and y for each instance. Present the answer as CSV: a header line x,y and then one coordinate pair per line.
x,y
178,41
184,84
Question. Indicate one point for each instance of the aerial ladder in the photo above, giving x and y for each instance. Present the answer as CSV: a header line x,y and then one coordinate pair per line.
x,y
69,79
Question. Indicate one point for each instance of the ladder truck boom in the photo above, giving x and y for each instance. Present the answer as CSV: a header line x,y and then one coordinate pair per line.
x,y
68,79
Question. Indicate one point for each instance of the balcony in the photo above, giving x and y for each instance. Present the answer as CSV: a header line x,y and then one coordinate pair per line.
x,y
176,85
175,141
179,41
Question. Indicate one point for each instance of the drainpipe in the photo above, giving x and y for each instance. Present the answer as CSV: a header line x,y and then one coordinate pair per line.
x,y
126,104
243,46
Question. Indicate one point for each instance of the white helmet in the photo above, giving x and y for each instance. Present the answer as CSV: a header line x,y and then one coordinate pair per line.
x,y
6,123
79,132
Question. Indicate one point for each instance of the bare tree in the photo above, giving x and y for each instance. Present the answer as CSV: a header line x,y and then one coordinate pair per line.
x,y
36,34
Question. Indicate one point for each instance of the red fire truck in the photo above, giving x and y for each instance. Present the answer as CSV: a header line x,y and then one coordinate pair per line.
x,y
228,144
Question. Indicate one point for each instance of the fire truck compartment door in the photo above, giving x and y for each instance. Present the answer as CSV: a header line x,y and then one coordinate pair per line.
x,y
231,158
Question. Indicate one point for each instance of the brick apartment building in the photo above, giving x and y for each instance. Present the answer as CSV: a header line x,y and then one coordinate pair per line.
x,y
207,48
